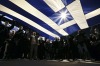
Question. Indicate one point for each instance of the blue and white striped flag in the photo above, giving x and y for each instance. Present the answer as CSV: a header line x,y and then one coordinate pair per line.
x,y
53,18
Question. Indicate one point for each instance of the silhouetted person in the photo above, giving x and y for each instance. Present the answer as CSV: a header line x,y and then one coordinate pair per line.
x,y
26,44
4,35
72,47
34,46
55,48
61,50
97,43
41,50
19,36
81,40
48,49
11,46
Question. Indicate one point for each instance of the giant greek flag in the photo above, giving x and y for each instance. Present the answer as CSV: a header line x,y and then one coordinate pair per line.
x,y
53,18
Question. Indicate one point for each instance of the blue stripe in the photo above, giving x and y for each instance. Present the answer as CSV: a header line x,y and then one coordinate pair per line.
x,y
93,21
90,5
29,26
31,17
67,2
72,29
41,6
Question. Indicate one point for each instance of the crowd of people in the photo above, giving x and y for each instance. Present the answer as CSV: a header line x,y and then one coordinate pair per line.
x,y
25,44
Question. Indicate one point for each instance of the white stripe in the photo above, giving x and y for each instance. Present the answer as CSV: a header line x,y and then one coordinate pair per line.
x,y
32,10
67,24
77,13
55,5
28,21
88,16
93,13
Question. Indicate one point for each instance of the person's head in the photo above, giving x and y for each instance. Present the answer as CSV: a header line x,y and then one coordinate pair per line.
x,y
6,23
13,32
96,30
80,32
70,36
21,28
57,38
34,33
47,40
41,38
27,31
